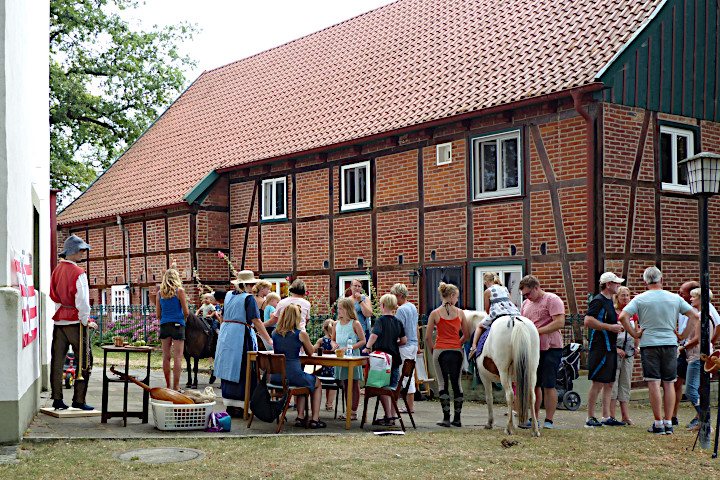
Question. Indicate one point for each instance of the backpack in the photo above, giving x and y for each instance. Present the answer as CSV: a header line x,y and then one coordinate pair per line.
x,y
263,406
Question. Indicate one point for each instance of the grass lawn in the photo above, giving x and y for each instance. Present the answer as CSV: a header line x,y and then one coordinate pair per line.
x,y
578,453
118,358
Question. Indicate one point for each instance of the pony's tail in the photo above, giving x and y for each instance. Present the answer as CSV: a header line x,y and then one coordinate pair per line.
x,y
521,341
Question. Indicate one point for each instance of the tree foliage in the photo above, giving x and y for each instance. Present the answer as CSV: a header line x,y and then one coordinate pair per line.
x,y
108,83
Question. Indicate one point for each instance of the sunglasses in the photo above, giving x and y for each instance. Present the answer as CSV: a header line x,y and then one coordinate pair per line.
x,y
525,295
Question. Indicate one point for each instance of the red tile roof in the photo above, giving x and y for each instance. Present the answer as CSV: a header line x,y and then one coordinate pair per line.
x,y
404,64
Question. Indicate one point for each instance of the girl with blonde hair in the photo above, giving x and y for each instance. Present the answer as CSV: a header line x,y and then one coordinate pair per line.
x,y
496,304
288,339
171,307
349,327
447,350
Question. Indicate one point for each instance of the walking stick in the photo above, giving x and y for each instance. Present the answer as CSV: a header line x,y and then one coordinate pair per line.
x,y
81,347
717,426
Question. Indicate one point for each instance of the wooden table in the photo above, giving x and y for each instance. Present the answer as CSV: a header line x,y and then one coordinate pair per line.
x,y
143,414
324,361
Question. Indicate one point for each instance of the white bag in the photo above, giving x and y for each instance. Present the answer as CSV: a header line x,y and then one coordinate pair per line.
x,y
380,368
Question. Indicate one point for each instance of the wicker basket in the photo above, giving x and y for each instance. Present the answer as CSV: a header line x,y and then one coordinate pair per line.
x,y
169,416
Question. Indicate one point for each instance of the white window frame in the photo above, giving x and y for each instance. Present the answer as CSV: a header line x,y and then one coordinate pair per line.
x,y
344,282
145,296
675,132
272,183
443,153
477,164
276,284
354,206
501,270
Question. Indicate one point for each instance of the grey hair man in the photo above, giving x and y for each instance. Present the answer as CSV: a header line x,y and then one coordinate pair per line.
x,y
657,312
408,315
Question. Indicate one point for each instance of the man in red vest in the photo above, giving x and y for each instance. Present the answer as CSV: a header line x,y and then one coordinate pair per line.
x,y
71,294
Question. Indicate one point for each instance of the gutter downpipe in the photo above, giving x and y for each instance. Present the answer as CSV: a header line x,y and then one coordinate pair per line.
x,y
589,186
126,241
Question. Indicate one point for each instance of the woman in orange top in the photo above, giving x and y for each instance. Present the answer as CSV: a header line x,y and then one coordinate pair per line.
x,y
447,350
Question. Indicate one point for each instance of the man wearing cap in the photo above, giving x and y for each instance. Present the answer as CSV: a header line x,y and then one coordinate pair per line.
x,y
657,312
71,294
601,318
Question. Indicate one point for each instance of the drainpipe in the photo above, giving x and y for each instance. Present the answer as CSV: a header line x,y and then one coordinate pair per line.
x,y
126,236
577,96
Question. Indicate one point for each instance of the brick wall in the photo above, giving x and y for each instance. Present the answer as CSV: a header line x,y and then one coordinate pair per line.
x,y
114,241
179,232
96,239
137,270
573,206
212,230
397,235
218,196
277,246
496,228
312,193
353,240
446,233
710,136
312,245
155,233
564,142
445,183
542,224
237,240
317,288
398,174
385,281
240,199
156,266
96,272
116,271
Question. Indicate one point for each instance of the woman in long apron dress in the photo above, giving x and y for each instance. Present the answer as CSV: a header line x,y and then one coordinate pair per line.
x,y
237,336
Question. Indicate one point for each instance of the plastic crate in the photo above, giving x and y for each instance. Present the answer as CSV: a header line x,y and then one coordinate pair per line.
x,y
169,416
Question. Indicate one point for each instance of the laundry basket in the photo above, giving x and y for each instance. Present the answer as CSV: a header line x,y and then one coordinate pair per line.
x,y
170,416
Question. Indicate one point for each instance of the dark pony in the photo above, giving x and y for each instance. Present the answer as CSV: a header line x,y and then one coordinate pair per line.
x,y
200,342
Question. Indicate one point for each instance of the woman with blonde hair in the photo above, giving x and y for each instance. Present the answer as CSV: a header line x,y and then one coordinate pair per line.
x,y
349,327
447,350
260,290
626,348
241,319
171,307
288,339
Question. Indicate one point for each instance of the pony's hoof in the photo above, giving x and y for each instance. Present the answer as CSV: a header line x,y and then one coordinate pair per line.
x,y
536,434
508,432
488,426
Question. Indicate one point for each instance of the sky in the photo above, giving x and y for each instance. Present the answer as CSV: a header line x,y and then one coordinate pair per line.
x,y
236,29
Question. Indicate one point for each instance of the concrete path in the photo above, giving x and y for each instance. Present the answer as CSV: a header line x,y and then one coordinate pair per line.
x,y
45,427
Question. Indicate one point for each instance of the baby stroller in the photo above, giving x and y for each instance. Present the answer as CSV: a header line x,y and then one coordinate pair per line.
x,y
569,370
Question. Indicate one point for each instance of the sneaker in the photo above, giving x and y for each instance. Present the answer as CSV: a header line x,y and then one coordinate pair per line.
x,y
668,429
658,430
612,422
548,424
592,422
528,424
674,421
693,422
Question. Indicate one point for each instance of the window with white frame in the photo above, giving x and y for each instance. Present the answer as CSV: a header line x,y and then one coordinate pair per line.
x,y
676,144
277,285
510,276
444,153
274,198
145,296
496,165
344,282
355,186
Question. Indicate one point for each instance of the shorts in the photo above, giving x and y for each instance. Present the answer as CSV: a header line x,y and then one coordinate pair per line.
x,y
173,330
682,365
548,367
394,378
602,365
659,363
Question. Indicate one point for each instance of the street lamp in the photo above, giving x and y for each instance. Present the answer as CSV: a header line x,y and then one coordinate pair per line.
x,y
415,276
704,180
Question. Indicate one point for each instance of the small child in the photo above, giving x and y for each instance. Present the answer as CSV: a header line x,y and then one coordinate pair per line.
x,y
271,301
387,336
348,327
325,343
207,312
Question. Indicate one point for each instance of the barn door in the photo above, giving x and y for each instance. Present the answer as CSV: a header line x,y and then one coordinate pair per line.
x,y
433,277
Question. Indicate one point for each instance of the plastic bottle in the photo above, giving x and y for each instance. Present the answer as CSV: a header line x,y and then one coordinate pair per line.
x,y
349,349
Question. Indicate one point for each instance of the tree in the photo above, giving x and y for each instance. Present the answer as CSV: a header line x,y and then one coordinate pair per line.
x,y
108,83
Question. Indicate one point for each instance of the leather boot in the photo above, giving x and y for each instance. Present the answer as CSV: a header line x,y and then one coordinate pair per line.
x,y
457,404
445,403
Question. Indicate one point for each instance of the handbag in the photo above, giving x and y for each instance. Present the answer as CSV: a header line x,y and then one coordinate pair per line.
x,y
218,422
380,368
262,405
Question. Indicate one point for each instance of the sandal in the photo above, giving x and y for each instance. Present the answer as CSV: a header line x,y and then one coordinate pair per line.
x,y
315,424
329,407
353,416
300,422
405,411
384,422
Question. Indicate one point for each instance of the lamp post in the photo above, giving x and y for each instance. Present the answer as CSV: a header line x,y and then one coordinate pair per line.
x,y
704,180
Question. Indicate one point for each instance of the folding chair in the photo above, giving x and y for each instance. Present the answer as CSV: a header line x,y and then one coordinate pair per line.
x,y
274,363
400,391
422,381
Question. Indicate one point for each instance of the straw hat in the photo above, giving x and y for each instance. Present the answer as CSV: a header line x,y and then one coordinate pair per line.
x,y
245,276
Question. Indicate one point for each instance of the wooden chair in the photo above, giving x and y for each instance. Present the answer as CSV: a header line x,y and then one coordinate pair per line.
x,y
400,391
274,363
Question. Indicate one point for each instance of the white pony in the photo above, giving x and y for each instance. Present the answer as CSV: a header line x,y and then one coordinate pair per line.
x,y
511,354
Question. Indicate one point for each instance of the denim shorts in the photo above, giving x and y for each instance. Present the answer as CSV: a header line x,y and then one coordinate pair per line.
x,y
173,330
394,378
548,367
